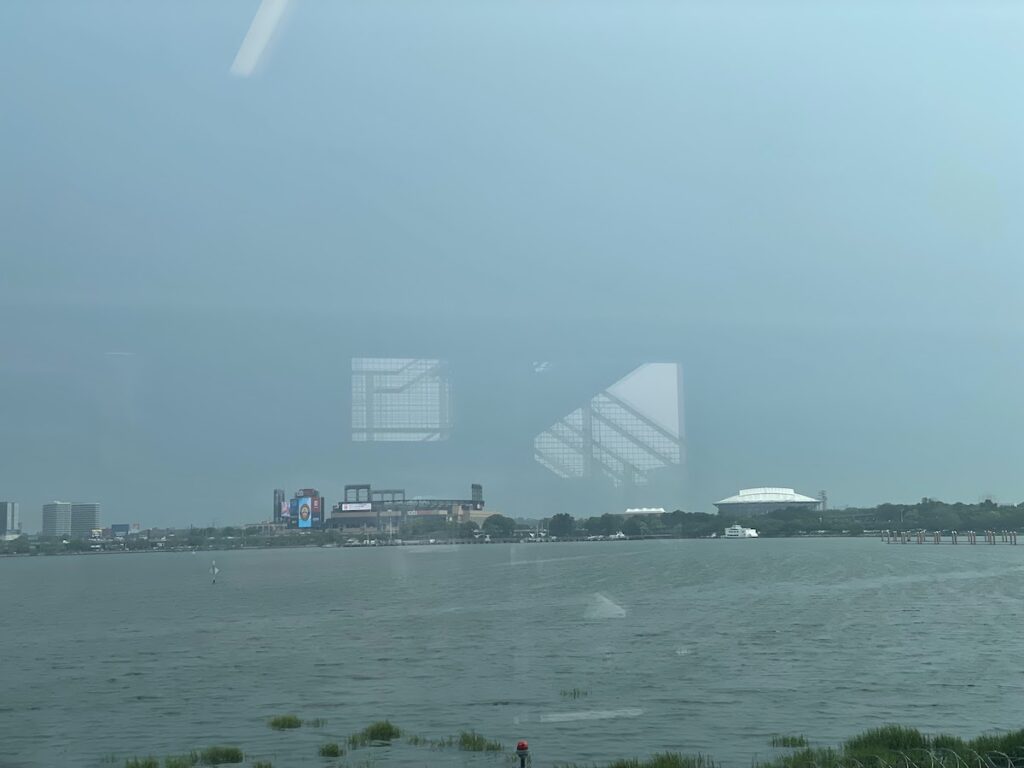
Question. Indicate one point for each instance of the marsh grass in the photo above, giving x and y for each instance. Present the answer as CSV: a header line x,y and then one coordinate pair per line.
x,y
381,732
471,741
668,760
896,746
890,746
423,741
285,722
331,749
220,754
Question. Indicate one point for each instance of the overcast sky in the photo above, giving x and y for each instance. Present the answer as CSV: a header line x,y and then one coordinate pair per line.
x,y
814,207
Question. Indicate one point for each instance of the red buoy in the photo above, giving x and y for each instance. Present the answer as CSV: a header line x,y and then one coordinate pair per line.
x,y
522,746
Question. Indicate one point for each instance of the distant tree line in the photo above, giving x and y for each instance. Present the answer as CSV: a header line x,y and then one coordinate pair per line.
x,y
433,527
676,524
934,515
927,514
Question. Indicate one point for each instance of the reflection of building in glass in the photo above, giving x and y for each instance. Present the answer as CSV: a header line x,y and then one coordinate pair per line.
x,y
521,413
623,432
400,399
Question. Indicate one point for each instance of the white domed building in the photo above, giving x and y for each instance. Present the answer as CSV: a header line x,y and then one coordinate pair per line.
x,y
751,502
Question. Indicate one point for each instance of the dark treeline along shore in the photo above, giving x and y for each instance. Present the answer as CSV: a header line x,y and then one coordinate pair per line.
x,y
927,514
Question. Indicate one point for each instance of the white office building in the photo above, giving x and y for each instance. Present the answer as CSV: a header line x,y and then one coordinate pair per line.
x,y
85,518
10,523
57,519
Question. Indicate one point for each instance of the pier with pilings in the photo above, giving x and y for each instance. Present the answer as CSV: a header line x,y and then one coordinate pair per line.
x,y
953,537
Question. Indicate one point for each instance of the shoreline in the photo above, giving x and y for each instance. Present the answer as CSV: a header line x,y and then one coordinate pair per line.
x,y
398,543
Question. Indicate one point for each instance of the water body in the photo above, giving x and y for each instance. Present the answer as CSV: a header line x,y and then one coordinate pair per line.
x,y
698,646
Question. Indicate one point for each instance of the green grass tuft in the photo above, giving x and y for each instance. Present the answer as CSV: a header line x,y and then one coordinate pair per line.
x,y
262,764
809,758
285,722
331,749
422,741
890,746
383,731
944,742
471,741
1010,743
218,755
888,738
667,760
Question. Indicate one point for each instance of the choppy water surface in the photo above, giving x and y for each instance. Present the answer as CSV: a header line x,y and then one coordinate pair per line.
x,y
706,646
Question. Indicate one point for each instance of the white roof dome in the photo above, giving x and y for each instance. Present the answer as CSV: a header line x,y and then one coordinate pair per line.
x,y
767,495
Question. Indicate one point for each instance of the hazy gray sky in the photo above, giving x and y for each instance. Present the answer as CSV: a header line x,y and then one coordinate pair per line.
x,y
814,207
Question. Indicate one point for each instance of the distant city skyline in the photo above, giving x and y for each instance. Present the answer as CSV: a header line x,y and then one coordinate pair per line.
x,y
77,520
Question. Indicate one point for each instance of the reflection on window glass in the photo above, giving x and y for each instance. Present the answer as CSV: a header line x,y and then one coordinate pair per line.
x,y
400,400
623,432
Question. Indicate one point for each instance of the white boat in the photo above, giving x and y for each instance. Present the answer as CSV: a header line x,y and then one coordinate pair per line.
x,y
739,532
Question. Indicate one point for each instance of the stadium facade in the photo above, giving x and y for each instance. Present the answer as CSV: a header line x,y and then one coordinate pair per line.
x,y
752,502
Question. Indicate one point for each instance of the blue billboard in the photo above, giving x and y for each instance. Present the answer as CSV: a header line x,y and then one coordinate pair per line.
x,y
302,511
